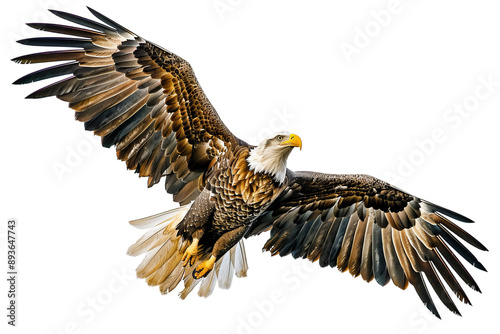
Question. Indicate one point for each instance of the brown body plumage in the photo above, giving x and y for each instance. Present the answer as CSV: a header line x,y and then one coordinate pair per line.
x,y
146,101
233,197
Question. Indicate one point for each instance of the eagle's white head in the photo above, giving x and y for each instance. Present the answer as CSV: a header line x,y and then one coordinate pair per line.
x,y
271,155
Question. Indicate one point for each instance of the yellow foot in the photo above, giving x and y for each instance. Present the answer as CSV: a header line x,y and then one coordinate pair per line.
x,y
204,268
190,254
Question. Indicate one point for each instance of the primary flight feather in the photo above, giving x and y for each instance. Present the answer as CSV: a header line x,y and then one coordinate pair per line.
x,y
147,102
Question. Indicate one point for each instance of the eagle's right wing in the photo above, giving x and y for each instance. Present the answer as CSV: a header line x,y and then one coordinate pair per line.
x,y
136,95
372,229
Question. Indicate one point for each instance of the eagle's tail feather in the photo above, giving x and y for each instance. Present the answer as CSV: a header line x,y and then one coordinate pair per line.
x,y
162,264
234,262
154,220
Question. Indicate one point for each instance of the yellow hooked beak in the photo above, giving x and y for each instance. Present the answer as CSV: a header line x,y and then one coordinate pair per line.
x,y
294,141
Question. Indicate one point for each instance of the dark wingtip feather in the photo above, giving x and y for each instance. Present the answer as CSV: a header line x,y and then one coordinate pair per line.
x,y
37,26
456,245
47,73
479,265
108,21
431,307
32,96
60,42
82,21
446,223
58,12
92,10
447,212
18,60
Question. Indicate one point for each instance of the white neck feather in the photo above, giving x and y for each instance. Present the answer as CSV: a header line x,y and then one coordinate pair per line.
x,y
269,160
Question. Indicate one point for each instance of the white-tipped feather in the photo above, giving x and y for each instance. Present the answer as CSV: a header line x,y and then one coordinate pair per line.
x,y
226,270
160,275
241,265
209,282
157,257
162,265
207,285
159,218
189,282
151,239
172,280
187,290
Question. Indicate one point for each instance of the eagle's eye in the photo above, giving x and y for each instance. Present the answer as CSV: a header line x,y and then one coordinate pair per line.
x,y
279,138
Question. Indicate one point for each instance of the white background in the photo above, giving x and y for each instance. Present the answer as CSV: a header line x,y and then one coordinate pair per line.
x,y
258,61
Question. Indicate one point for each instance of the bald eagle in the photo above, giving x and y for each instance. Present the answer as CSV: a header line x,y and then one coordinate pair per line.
x,y
146,101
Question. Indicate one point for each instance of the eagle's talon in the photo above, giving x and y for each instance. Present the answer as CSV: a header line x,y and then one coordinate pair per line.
x,y
204,268
190,254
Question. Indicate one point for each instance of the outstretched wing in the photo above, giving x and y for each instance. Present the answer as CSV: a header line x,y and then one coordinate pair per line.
x,y
135,95
364,225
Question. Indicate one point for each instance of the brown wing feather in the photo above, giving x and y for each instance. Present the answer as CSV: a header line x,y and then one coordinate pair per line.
x,y
364,225
135,95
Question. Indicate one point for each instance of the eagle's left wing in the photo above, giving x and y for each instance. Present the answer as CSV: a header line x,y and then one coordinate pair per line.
x,y
135,95
364,225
